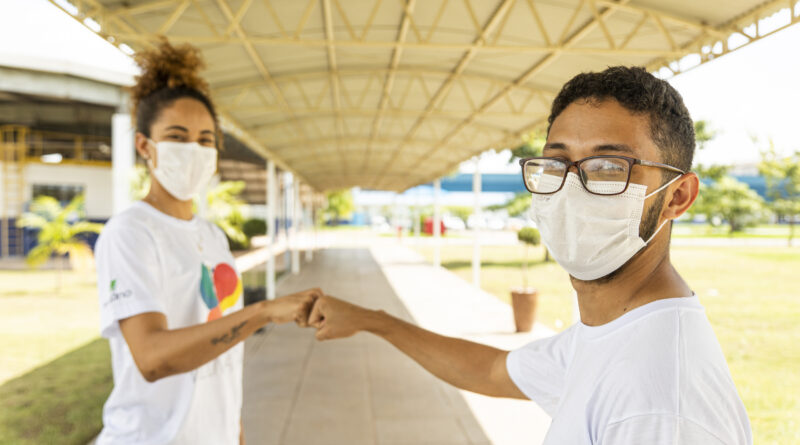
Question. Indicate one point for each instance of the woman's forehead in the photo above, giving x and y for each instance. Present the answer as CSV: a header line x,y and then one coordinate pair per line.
x,y
187,113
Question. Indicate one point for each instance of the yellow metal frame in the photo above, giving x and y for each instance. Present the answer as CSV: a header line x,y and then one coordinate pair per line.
x,y
19,146
12,152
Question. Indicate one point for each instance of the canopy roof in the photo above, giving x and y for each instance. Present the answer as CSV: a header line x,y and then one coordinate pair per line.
x,y
388,94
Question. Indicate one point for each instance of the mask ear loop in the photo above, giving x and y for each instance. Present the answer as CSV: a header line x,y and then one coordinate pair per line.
x,y
665,221
663,186
149,160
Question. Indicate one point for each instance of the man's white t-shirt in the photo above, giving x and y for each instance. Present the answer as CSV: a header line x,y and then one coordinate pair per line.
x,y
148,261
654,376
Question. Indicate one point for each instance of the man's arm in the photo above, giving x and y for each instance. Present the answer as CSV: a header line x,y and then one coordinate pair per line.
x,y
161,352
461,363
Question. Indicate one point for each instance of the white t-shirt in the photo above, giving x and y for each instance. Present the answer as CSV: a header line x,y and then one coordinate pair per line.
x,y
148,261
655,375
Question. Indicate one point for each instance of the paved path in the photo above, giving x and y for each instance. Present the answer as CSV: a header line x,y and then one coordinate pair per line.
x,y
361,390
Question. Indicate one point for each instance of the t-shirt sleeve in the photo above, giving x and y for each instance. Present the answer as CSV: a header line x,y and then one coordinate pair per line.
x,y
659,429
539,368
128,276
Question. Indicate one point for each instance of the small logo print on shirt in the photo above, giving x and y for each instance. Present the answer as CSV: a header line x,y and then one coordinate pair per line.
x,y
117,295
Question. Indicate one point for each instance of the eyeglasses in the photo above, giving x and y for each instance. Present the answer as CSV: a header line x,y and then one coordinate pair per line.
x,y
600,175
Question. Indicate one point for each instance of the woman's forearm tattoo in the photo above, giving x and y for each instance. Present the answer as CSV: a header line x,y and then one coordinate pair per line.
x,y
230,336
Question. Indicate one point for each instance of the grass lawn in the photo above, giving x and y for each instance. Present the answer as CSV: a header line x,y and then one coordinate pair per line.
x,y
55,373
751,296
689,230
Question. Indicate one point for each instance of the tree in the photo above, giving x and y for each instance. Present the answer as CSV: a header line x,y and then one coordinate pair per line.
x,y
140,182
462,212
782,175
225,210
732,201
59,228
532,145
703,134
340,205
529,237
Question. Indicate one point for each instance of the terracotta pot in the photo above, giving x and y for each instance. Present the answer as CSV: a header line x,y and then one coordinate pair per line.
x,y
524,303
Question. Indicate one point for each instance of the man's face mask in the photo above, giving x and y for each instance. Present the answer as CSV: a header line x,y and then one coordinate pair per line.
x,y
184,168
588,234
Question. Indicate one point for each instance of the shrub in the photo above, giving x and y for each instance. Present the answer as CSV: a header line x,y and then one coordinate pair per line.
x,y
254,226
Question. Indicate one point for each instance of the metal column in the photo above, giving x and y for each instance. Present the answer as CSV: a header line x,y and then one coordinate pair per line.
x,y
476,244
272,202
295,225
122,160
437,224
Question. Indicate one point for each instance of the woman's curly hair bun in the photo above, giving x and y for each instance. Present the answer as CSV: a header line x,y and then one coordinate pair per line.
x,y
168,73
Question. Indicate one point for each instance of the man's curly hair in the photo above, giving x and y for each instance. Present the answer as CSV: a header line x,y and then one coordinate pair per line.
x,y
671,127
168,73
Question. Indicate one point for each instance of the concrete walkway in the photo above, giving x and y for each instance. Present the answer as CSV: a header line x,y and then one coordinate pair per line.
x,y
361,390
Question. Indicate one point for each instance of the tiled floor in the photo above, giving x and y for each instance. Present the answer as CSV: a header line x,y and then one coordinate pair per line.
x,y
361,390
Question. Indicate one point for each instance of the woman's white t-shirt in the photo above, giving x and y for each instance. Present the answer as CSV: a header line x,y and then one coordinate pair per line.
x,y
654,376
148,261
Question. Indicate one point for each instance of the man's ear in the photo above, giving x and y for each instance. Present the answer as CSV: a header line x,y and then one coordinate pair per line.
x,y
681,196
144,147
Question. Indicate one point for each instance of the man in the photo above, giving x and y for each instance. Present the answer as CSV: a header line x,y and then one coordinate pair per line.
x,y
643,366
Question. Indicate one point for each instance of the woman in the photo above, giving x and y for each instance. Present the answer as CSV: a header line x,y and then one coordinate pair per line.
x,y
170,297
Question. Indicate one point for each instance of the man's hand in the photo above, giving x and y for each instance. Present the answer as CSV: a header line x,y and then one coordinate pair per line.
x,y
335,318
294,307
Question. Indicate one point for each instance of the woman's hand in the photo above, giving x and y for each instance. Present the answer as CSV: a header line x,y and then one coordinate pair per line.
x,y
294,307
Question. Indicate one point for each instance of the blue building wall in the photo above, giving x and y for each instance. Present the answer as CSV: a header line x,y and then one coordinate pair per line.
x,y
505,182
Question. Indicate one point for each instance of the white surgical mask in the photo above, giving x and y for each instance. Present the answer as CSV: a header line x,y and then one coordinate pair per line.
x,y
590,235
184,168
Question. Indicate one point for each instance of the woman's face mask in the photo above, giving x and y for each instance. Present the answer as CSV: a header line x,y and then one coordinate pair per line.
x,y
184,168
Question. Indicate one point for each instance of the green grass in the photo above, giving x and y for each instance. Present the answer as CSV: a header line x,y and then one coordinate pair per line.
x,y
751,298
55,374
686,230
60,402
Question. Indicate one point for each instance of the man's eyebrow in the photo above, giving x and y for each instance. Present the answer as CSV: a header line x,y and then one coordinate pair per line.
x,y
555,146
614,147
207,132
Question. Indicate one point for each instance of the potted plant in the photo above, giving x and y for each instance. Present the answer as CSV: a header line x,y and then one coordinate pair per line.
x,y
523,300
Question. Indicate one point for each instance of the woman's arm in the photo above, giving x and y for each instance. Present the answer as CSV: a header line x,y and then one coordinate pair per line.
x,y
161,352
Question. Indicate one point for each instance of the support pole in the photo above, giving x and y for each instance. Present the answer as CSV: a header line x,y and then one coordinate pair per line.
x,y
272,202
122,160
476,244
308,217
437,224
295,225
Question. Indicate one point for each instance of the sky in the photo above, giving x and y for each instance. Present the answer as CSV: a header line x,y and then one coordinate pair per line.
x,y
750,93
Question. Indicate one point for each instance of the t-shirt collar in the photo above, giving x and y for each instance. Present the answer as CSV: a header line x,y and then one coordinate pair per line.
x,y
594,332
190,224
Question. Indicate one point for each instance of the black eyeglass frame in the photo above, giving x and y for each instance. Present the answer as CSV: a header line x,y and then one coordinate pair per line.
x,y
631,162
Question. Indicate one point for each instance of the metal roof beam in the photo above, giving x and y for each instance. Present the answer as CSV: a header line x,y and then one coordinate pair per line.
x,y
259,64
479,42
532,71
405,22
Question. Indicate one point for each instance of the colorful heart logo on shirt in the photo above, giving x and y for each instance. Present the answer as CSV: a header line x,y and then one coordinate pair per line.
x,y
220,292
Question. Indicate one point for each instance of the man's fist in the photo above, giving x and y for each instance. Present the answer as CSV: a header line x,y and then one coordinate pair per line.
x,y
335,318
294,307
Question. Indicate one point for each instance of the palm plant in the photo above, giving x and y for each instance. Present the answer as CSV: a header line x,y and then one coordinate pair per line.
x,y
225,210
59,228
